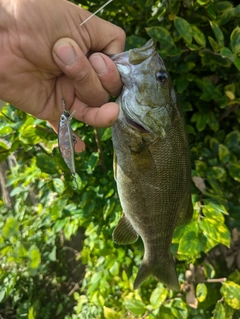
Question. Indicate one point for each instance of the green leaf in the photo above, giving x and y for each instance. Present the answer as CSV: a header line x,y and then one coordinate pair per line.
x,y
20,251
213,230
227,53
158,296
52,254
45,163
201,292
223,153
203,2
237,63
2,293
58,185
4,144
234,171
214,207
60,224
231,294
137,307
29,136
114,270
131,42
232,140
218,33
202,121
219,312
106,133
235,41
214,144
191,243
200,167
213,122
10,227
198,36
211,213
32,313
92,162
18,190
181,84
34,256
230,91
161,35
4,155
217,172
216,47
211,12
235,276
110,313
185,68
6,130
184,29
179,309
209,270
186,106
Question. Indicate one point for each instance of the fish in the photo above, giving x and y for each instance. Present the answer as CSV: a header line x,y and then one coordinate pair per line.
x,y
66,139
152,165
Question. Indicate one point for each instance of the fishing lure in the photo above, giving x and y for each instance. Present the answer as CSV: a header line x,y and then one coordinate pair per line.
x,y
66,139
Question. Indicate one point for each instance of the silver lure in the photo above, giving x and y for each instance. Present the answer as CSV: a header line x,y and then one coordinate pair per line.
x,y
66,139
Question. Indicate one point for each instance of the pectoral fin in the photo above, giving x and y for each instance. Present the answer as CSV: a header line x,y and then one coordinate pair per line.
x,y
124,233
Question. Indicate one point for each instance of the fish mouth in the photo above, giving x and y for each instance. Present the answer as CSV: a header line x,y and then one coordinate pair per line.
x,y
135,125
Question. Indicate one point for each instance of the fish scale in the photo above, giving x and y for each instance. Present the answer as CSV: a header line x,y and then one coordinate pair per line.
x,y
152,164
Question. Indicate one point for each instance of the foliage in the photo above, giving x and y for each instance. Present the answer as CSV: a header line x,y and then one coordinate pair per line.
x,y
200,44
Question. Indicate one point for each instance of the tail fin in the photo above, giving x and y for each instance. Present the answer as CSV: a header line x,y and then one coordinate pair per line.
x,y
164,271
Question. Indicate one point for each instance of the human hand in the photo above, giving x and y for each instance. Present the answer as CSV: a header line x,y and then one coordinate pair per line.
x,y
45,56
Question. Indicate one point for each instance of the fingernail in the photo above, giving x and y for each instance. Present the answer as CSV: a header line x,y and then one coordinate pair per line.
x,y
98,64
65,52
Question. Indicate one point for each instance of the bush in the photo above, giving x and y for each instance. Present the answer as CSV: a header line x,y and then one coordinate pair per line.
x,y
200,44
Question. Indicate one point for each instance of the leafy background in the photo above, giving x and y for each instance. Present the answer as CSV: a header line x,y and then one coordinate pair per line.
x,y
57,258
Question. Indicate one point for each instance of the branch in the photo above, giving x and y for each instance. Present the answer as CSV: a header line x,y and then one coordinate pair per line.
x,y
215,280
99,146
228,111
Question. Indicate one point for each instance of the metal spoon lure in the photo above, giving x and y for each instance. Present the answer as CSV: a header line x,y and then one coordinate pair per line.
x,y
66,139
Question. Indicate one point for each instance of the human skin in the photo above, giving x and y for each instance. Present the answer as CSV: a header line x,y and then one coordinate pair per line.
x,y
45,56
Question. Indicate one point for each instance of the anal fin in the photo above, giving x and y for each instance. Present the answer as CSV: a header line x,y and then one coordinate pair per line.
x,y
124,233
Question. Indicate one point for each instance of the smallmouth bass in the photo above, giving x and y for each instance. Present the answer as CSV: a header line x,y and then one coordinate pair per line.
x,y
152,162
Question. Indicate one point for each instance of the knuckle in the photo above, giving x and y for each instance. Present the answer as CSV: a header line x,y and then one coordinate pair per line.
x,y
121,34
81,74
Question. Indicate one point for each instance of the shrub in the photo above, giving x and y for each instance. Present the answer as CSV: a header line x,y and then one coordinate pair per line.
x,y
200,44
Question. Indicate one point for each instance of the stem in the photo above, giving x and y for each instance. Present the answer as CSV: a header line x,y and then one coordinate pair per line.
x,y
215,280
100,152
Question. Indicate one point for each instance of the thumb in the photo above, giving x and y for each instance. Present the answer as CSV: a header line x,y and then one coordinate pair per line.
x,y
75,65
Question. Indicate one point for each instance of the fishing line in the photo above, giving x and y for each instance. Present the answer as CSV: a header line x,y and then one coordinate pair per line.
x,y
66,139
102,7
92,15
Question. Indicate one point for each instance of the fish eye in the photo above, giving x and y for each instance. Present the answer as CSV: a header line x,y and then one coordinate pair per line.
x,y
162,76
62,118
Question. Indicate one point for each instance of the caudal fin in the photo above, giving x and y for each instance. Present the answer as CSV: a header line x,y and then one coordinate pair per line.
x,y
163,271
